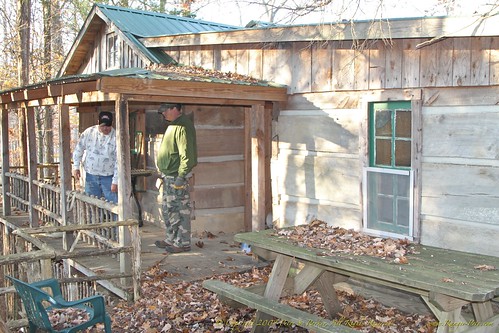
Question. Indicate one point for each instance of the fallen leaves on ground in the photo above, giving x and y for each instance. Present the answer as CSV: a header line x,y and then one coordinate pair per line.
x,y
68,317
319,235
189,308
485,267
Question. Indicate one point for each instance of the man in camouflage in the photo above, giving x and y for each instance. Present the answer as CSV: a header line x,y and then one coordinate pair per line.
x,y
177,156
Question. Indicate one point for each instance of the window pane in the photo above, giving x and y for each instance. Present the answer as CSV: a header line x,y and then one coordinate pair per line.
x,y
385,209
386,186
402,153
112,50
388,212
403,187
403,124
383,152
403,212
383,123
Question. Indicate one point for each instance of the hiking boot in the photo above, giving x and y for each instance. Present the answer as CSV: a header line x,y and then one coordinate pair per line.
x,y
176,249
162,244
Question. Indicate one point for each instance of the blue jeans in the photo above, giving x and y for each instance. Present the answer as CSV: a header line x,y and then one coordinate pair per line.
x,y
100,186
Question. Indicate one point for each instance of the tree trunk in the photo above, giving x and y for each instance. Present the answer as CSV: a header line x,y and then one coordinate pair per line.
x,y
51,34
23,25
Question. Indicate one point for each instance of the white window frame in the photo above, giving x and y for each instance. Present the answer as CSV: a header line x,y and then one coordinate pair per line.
x,y
380,233
112,55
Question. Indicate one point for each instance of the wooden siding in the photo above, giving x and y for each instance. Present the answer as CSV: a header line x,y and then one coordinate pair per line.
x,y
320,136
341,65
96,60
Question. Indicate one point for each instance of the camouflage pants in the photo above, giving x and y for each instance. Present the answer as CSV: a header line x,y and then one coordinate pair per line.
x,y
176,211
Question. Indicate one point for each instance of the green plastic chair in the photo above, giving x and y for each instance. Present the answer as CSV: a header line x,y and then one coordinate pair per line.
x,y
37,302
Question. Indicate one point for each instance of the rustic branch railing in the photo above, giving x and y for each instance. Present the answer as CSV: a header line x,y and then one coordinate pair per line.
x,y
28,258
48,171
49,203
91,220
85,209
19,191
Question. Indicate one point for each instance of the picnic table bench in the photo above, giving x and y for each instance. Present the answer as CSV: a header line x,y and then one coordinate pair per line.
x,y
446,280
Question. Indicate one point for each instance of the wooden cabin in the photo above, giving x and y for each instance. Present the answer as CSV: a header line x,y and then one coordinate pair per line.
x,y
387,127
109,41
390,127
232,115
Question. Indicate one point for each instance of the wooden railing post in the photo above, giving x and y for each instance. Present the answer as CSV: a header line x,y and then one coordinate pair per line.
x,y
5,161
65,169
32,166
136,260
124,177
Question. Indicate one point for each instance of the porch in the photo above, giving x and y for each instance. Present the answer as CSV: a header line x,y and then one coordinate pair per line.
x,y
98,233
50,229
97,261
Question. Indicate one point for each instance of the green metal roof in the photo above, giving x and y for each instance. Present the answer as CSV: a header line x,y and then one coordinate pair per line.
x,y
150,24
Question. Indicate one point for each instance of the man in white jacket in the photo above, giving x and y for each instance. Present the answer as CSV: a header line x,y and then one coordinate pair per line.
x,y
96,151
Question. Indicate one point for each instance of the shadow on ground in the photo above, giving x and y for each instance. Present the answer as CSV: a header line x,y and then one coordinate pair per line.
x,y
211,254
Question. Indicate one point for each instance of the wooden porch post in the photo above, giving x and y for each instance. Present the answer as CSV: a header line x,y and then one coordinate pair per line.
x,y
65,168
124,178
5,161
32,166
260,122
416,161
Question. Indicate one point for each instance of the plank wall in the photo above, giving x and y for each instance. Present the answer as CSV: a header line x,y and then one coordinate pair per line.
x,y
96,60
320,136
218,189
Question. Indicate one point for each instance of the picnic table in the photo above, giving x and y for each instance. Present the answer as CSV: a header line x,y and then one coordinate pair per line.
x,y
446,280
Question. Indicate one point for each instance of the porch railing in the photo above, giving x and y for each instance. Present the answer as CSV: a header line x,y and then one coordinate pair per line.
x,y
29,258
91,221
19,191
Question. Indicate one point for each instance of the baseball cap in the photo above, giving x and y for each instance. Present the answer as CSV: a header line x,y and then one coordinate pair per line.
x,y
165,106
105,118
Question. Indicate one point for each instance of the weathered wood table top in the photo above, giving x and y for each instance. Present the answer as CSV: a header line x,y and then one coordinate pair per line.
x,y
446,280
448,272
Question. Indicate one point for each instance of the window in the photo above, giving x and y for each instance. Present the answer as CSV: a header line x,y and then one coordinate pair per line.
x,y
390,135
112,51
388,178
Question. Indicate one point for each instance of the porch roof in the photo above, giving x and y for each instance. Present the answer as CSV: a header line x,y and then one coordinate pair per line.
x,y
187,85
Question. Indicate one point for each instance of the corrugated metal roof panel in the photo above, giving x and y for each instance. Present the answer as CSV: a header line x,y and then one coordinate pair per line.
x,y
150,24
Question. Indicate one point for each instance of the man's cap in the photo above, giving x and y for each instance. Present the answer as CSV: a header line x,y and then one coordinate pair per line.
x,y
165,106
105,118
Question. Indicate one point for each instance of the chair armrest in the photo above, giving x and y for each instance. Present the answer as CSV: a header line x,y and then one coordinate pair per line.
x,y
53,284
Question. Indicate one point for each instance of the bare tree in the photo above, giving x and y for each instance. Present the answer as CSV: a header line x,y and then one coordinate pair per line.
x,y
8,46
52,56
23,28
317,11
